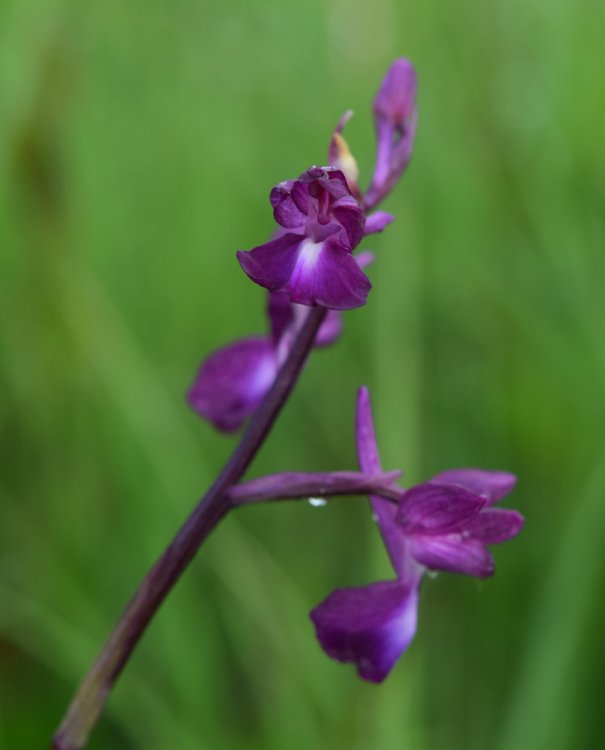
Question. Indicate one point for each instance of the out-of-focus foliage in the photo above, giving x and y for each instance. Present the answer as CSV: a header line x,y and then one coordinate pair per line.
x,y
138,144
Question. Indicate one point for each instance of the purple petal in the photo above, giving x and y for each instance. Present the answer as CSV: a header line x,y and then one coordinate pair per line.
x,y
233,381
285,210
300,196
396,97
325,274
280,312
402,150
370,626
350,215
378,221
453,553
437,509
493,485
365,436
494,526
336,183
330,329
364,259
369,462
271,264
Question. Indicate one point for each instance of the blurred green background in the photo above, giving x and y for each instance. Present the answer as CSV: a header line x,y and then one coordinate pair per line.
x,y
138,144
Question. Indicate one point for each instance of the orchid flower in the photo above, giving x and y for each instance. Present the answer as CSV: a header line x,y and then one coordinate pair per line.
x,y
444,524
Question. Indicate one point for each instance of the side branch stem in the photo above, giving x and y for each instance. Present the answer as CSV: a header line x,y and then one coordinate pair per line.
x,y
293,486
89,700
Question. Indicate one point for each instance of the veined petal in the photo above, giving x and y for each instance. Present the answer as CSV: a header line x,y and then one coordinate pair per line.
x,y
349,214
437,509
493,485
271,264
285,210
326,274
232,382
378,221
370,626
454,553
494,526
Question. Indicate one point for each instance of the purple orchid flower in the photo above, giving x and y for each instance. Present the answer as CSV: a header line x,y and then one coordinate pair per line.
x,y
395,118
233,380
310,258
444,524
449,520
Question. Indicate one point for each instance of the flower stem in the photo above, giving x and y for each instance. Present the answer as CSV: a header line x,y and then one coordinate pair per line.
x,y
89,700
292,486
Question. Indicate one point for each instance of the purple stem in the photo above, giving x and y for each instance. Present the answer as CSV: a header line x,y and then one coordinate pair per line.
x,y
290,485
89,700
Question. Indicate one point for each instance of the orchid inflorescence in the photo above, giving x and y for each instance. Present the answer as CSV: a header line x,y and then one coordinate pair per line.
x,y
443,524
313,273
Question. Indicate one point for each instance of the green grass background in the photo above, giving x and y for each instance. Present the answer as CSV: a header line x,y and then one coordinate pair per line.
x,y
138,144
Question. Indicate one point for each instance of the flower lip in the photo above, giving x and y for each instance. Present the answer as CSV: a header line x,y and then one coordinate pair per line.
x,y
370,626
232,381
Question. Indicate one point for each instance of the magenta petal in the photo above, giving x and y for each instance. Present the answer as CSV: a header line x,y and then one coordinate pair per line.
x,y
271,264
493,485
396,98
325,274
369,462
365,258
281,314
378,221
348,213
330,329
365,436
453,553
370,626
232,382
285,210
437,509
494,526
